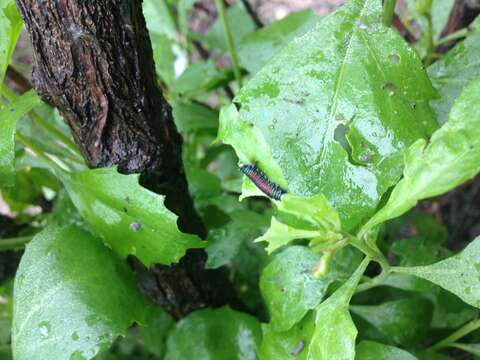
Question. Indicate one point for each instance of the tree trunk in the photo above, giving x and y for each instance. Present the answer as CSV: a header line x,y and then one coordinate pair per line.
x,y
93,60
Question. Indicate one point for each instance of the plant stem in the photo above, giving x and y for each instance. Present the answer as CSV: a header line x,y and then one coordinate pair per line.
x,y
373,253
41,122
228,37
454,36
458,334
14,243
388,11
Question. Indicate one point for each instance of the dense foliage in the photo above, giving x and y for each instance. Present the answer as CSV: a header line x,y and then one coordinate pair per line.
x,y
355,124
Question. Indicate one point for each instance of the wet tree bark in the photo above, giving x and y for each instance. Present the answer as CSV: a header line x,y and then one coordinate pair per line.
x,y
93,60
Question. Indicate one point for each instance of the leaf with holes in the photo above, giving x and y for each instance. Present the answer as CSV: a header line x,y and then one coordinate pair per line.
x,y
451,157
131,219
336,109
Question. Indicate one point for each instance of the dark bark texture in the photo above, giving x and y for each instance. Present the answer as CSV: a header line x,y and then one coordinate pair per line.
x,y
93,60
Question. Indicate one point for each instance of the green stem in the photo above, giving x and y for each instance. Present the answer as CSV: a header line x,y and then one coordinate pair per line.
x,y
371,283
228,37
41,122
371,252
458,334
39,152
454,36
388,11
14,243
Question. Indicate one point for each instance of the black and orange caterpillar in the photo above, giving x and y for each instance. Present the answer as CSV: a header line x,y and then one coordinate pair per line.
x,y
261,180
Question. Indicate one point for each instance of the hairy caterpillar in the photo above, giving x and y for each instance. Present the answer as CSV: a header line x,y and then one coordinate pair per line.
x,y
261,180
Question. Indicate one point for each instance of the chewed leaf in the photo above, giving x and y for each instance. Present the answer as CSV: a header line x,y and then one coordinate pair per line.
x,y
333,111
73,296
459,274
131,219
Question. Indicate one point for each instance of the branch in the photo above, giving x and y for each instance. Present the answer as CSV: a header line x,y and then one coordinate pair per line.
x,y
93,60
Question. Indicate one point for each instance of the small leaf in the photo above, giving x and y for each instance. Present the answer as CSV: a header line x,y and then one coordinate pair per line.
x,y
238,19
451,157
288,345
302,217
405,321
8,119
155,330
335,333
459,274
191,117
258,47
226,242
72,297
370,350
10,28
216,335
454,70
289,287
198,78
131,219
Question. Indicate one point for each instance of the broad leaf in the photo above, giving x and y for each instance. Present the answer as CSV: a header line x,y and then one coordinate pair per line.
x,y
10,28
8,119
341,102
131,219
335,333
405,321
370,350
289,287
451,157
215,335
72,297
459,274
258,47
288,345
453,71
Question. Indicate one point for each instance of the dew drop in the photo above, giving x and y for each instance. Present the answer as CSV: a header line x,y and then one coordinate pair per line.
x,y
45,329
135,226
394,59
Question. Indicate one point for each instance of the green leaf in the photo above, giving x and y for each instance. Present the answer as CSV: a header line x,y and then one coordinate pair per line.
x,y
238,19
191,117
215,335
155,330
453,71
288,345
289,287
335,333
418,251
405,321
451,157
336,108
370,350
471,348
6,312
303,217
257,48
10,28
226,242
200,77
8,119
459,274
131,219
72,297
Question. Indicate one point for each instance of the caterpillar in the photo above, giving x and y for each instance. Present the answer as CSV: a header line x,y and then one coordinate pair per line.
x,y
261,180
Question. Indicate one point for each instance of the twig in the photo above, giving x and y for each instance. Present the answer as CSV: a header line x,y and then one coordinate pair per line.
x,y
458,334
14,243
252,14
